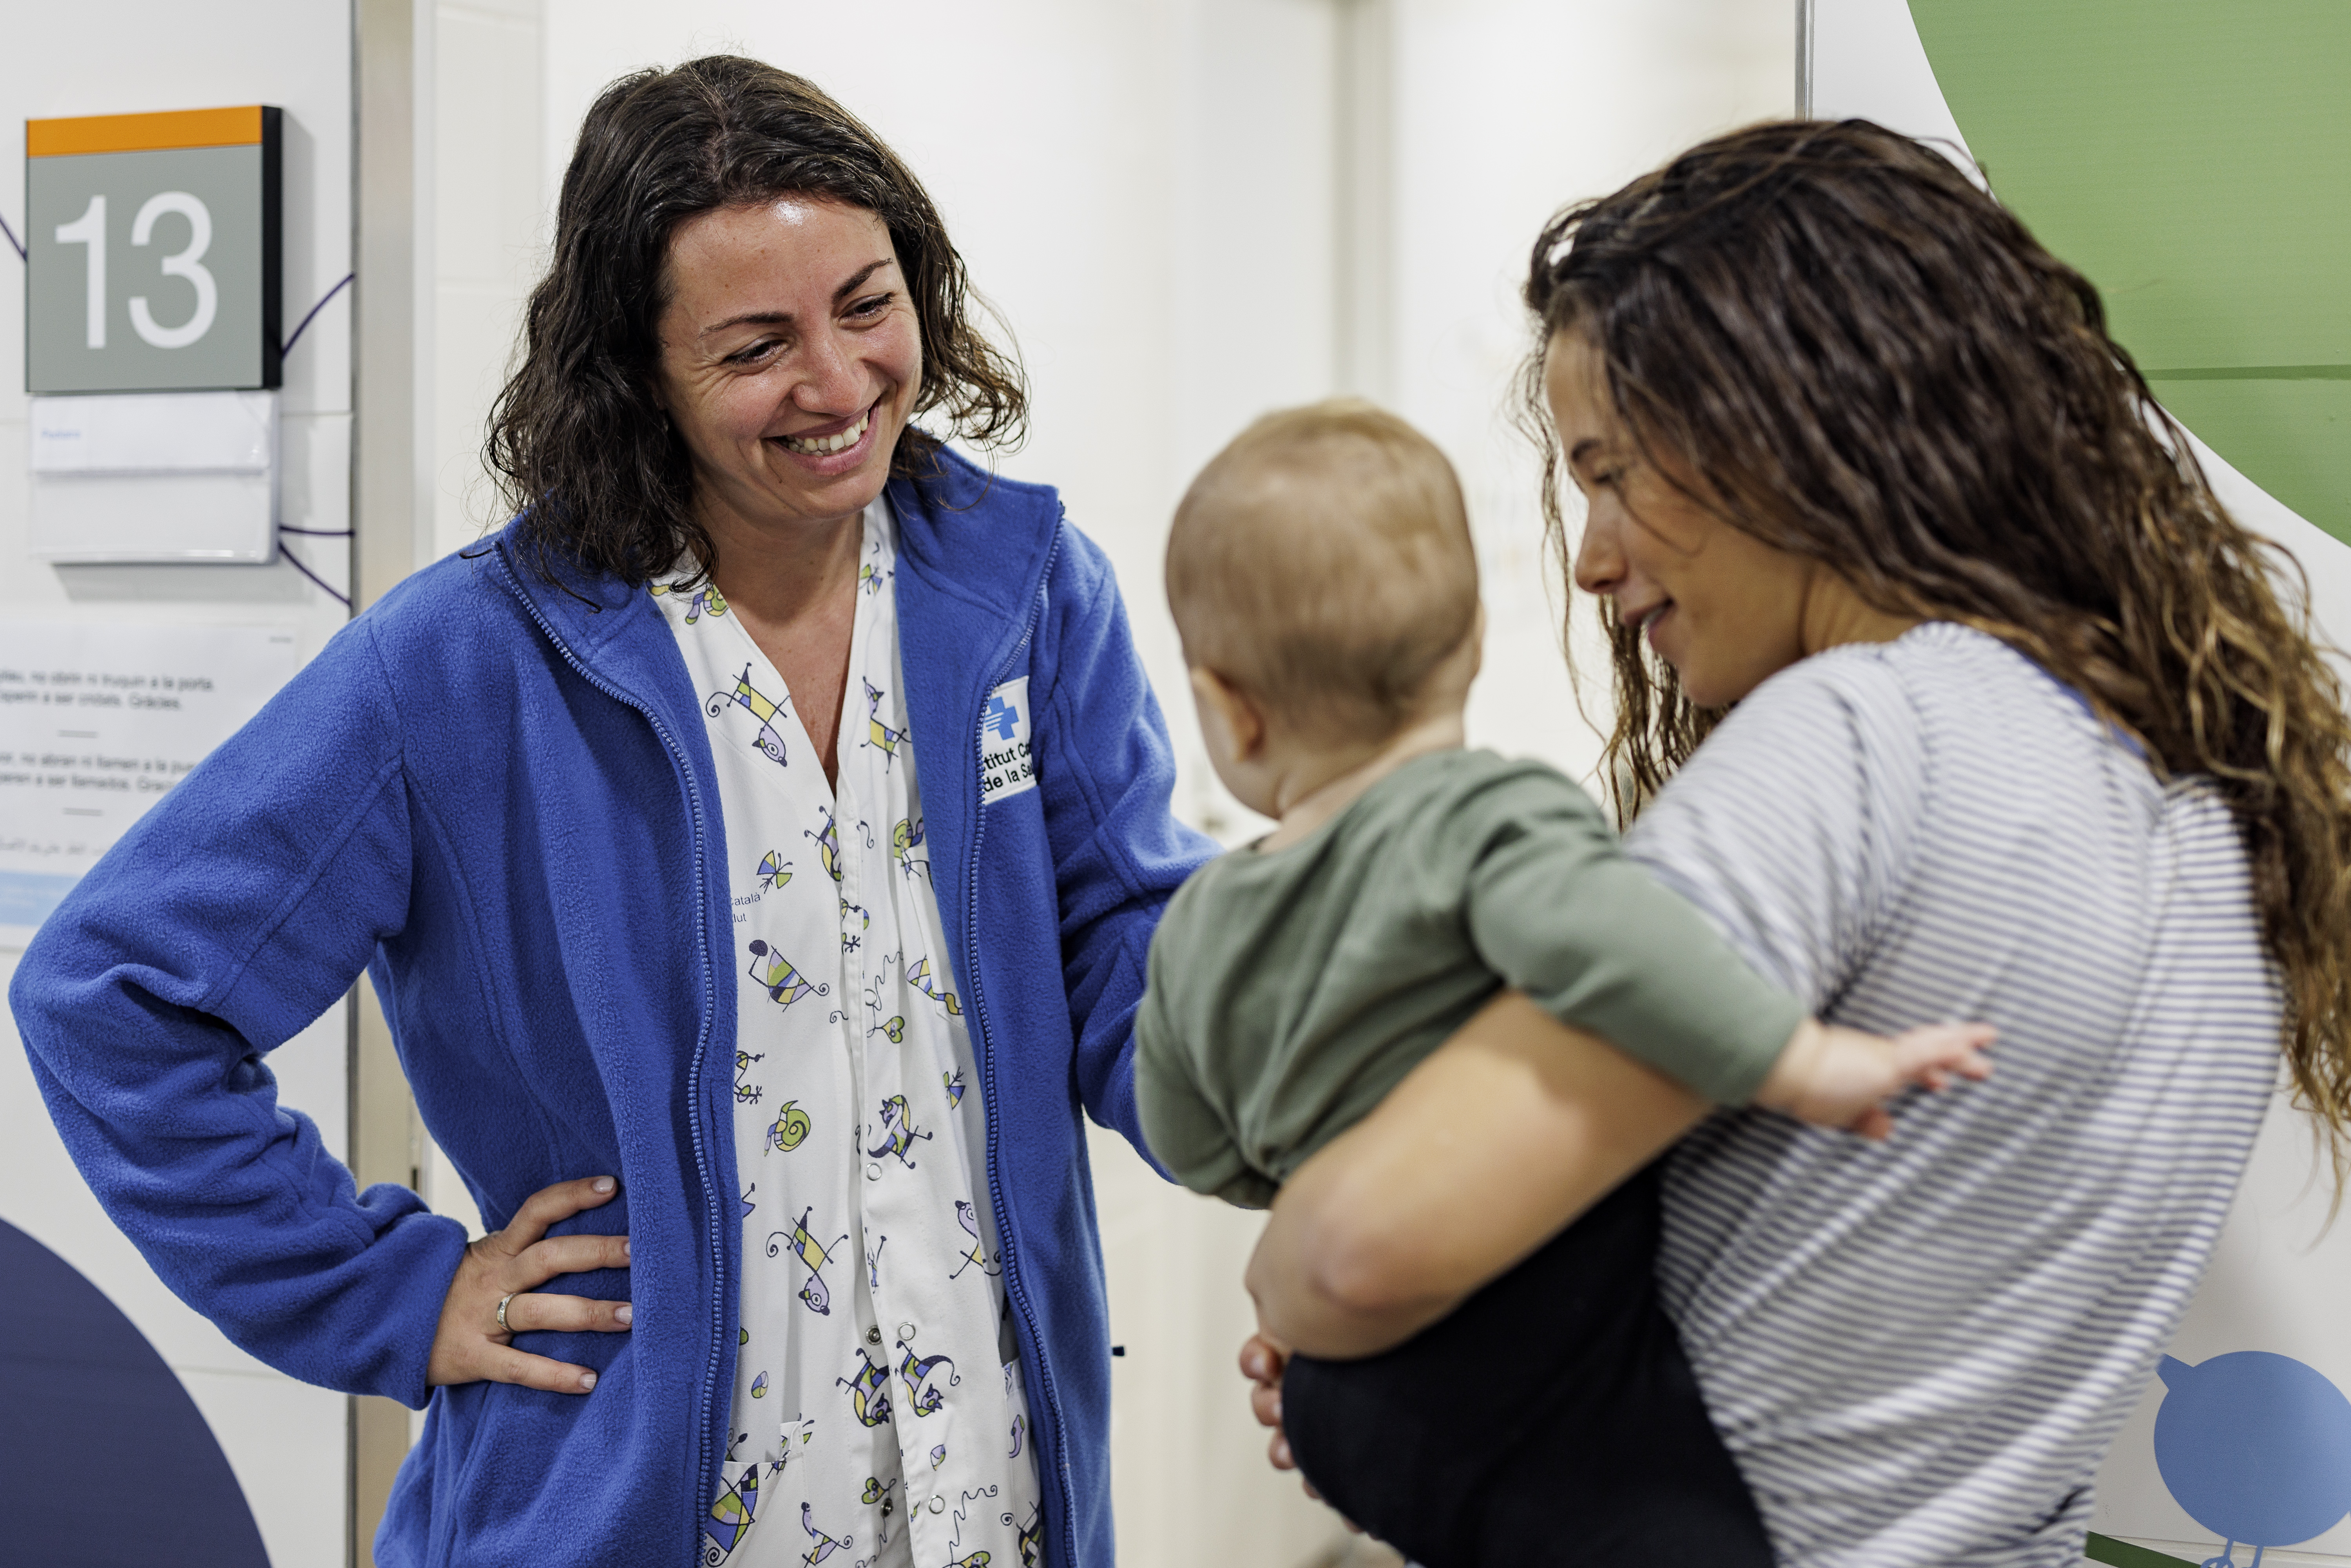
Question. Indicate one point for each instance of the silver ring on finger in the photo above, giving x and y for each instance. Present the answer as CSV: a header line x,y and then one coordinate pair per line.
x,y
510,1296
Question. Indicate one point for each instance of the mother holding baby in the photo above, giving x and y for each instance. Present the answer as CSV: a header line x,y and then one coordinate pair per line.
x,y
1946,689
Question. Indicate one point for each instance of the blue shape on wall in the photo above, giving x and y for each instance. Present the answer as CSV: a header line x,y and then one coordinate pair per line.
x,y
105,1462
2256,1447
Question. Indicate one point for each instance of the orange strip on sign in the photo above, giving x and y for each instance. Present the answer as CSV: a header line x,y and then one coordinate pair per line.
x,y
239,127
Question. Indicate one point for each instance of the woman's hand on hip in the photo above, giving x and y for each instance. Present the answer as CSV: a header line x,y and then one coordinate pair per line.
x,y
505,1267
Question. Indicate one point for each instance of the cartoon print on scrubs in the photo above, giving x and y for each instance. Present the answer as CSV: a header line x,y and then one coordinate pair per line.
x,y
825,1544
899,1134
875,1397
878,567
986,1498
880,735
850,937
828,845
770,743
803,1246
878,993
905,840
791,1443
774,972
790,1129
919,977
926,1384
968,1218
731,1516
869,1392
706,598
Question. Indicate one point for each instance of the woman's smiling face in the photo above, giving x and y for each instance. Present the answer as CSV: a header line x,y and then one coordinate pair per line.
x,y
1723,608
790,357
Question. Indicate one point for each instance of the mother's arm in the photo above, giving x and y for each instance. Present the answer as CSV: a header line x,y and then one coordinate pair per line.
x,y
1517,1124
1512,1129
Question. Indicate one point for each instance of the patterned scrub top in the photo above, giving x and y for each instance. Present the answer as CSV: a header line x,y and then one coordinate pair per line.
x,y
879,1415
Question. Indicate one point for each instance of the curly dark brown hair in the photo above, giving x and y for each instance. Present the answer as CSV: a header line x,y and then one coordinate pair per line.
x,y
1833,340
578,441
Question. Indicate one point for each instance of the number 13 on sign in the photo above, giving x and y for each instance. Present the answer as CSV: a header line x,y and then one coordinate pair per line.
x,y
89,232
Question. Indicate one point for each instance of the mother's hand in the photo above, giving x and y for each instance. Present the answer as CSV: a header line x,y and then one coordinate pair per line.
x,y
509,1265
1262,1363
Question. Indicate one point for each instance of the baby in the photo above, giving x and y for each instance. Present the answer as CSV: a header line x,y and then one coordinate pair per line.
x,y
1322,579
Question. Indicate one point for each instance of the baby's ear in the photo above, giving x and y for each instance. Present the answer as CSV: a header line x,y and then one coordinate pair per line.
x,y
1230,711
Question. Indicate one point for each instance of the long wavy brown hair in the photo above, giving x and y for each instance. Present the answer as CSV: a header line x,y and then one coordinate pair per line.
x,y
1828,336
577,443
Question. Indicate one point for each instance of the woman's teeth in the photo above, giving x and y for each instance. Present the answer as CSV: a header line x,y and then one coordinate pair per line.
x,y
819,446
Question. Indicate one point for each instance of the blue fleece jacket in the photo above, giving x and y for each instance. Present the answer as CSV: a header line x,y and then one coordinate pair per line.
x,y
495,795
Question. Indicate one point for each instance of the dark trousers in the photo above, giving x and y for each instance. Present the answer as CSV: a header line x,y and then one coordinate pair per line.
x,y
1552,1419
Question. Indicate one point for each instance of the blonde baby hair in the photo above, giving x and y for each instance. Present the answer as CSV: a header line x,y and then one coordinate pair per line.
x,y
1322,563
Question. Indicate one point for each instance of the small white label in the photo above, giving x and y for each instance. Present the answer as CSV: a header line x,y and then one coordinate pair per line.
x,y
1007,766
155,432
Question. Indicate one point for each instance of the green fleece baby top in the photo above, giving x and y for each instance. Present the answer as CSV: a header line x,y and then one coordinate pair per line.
x,y
1291,989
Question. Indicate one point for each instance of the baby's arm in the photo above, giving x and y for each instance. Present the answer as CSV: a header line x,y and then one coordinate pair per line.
x,y
1842,1077
1559,912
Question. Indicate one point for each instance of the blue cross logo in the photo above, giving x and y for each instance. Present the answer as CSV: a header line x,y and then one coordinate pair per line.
x,y
1001,717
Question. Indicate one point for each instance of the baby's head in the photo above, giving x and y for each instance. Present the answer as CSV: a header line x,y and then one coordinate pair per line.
x,y
1322,577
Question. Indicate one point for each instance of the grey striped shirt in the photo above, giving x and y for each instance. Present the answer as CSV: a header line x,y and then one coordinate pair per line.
x,y
1918,1352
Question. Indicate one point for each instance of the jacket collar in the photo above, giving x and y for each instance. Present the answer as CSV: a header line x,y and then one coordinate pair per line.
x,y
976,538
975,543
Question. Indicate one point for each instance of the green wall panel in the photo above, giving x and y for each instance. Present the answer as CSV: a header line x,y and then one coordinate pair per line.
x,y
2292,437
2194,159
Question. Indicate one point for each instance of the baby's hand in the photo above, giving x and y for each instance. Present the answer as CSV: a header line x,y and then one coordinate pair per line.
x,y
1837,1077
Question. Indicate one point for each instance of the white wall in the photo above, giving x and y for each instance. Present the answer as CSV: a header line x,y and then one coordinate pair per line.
x,y
487,223
1506,112
284,1440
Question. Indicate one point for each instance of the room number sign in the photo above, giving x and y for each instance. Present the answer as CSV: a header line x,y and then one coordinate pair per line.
x,y
153,251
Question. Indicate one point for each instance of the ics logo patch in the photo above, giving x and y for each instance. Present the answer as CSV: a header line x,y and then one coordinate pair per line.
x,y
1005,765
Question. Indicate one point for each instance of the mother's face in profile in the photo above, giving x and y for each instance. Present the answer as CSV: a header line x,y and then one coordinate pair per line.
x,y
790,359
1723,608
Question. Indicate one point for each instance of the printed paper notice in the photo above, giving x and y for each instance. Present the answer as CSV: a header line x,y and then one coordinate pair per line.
x,y
97,723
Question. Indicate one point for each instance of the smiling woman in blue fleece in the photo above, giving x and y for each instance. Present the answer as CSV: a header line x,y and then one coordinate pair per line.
x,y
755,847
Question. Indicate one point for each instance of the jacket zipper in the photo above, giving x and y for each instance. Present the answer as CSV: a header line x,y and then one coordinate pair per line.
x,y
1013,1289
701,1045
